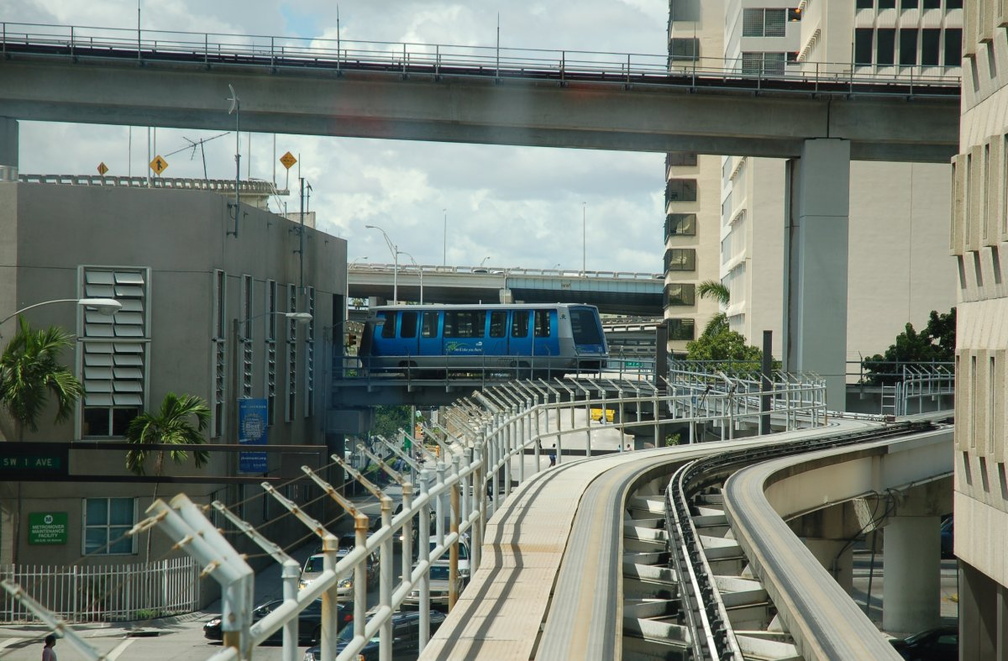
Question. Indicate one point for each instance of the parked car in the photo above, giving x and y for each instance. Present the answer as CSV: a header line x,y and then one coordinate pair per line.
x,y
405,638
941,644
948,537
440,586
313,567
309,622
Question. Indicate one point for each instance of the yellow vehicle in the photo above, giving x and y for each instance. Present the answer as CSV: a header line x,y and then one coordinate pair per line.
x,y
596,415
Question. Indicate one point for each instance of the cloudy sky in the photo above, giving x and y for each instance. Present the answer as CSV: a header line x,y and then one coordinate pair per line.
x,y
505,206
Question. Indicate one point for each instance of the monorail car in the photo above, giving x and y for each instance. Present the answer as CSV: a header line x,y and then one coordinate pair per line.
x,y
536,339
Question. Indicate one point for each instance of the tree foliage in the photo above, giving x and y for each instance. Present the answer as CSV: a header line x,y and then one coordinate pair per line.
x,y
719,343
935,344
171,425
30,373
390,419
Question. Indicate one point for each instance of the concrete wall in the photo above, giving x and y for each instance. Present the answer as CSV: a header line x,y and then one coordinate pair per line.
x,y
182,236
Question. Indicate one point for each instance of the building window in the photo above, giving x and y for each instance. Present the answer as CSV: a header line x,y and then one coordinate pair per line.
x,y
681,190
246,336
218,413
680,224
271,350
681,329
932,4
887,4
309,352
680,259
679,294
909,4
865,4
953,48
763,22
908,47
684,49
863,45
114,351
930,42
292,371
759,63
106,522
885,47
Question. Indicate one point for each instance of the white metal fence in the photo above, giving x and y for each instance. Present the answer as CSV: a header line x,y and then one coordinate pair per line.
x,y
104,593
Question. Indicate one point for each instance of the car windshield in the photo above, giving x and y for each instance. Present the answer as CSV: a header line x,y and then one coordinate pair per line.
x,y
314,564
439,572
347,633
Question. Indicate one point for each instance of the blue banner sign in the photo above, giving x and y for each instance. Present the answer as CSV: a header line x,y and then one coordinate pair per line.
x,y
252,420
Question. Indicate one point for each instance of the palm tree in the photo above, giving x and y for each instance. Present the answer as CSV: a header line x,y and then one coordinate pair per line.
x,y
30,372
171,425
715,290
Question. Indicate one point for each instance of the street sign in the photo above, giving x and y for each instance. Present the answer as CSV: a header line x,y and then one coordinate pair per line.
x,y
23,460
102,168
47,528
252,419
159,165
288,160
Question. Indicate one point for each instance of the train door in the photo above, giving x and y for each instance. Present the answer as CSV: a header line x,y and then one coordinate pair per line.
x,y
408,340
520,340
464,334
496,343
430,333
545,340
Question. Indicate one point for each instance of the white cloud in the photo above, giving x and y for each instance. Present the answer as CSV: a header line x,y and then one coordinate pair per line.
x,y
519,206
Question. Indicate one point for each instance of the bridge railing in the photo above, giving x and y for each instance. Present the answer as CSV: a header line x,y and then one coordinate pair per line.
x,y
410,57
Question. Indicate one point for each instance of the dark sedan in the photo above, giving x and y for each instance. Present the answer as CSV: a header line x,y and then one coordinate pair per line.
x,y
309,622
405,638
941,644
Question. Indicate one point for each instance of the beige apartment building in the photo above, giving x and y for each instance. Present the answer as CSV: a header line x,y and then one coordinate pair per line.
x,y
899,269
979,232
203,312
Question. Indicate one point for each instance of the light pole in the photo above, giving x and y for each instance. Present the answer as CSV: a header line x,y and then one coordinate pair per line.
x,y
102,305
444,257
584,238
395,268
484,261
419,270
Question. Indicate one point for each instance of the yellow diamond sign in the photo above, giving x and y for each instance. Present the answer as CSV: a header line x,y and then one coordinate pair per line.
x,y
102,168
159,165
288,160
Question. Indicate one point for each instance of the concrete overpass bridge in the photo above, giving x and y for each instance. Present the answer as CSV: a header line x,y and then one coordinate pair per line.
x,y
613,292
822,115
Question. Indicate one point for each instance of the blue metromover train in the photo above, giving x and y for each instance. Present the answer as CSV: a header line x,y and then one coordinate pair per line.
x,y
519,339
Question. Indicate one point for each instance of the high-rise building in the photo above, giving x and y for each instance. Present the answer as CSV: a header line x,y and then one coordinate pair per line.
x,y
979,232
736,207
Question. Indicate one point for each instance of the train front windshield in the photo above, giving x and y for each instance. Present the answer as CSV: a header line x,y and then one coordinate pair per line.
x,y
586,329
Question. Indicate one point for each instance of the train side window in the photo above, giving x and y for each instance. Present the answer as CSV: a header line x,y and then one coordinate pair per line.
x,y
519,323
430,324
388,328
498,320
542,323
408,324
465,323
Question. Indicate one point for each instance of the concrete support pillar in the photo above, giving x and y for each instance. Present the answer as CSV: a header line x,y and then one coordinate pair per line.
x,y
837,556
911,596
815,286
8,149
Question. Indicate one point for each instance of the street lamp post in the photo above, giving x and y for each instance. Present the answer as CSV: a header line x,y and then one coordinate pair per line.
x,y
584,238
103,305
419,270
395,268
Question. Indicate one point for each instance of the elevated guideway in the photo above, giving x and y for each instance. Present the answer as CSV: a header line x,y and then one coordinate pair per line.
x,y
613,292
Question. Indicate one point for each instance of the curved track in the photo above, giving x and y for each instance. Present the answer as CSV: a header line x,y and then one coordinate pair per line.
x,y
676,585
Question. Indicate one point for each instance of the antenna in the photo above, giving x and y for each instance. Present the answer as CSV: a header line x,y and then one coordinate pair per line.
x,y
235,104
193,144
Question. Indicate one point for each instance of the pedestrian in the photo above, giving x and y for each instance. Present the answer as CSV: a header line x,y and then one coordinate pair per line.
x,y
628,447
48,653
552,456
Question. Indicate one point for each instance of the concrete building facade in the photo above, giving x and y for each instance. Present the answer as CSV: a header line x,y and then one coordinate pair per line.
x,y
978,235
203,302
897,267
